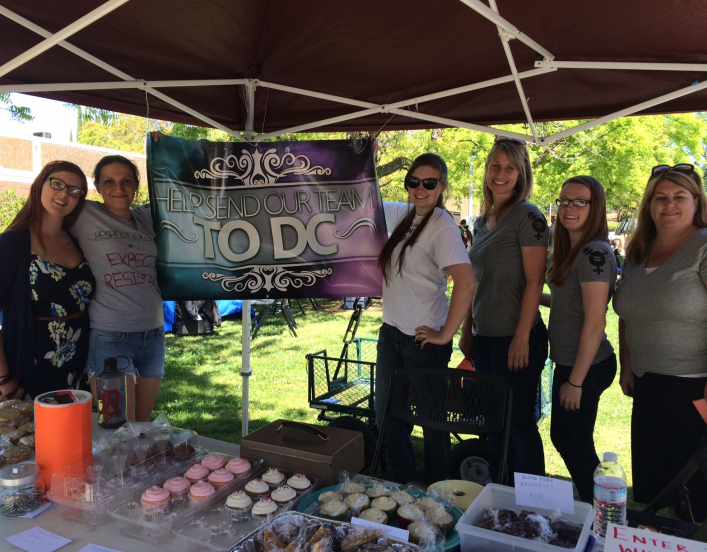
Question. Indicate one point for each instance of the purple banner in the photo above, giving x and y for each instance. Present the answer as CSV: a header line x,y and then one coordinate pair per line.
x,y
272,220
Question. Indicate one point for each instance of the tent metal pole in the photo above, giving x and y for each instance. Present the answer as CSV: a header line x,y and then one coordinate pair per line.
x,y
109,68
624,112
488,13
66,32
623,65
505,38
412,101
69,86
246,371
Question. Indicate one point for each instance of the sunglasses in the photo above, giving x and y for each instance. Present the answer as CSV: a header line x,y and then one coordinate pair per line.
x,y
511,140
429,183
58,185
561,202
684,168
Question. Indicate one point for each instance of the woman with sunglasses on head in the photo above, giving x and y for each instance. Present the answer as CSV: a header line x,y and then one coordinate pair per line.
x,y
581,278
509,256
418,322
662,307
127,320
45,285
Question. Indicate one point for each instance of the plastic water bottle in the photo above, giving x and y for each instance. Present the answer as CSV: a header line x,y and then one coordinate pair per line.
x,y
110,389
610,495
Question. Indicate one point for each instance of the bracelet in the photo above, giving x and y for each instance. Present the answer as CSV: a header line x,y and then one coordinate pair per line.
x,y
13,379
573,385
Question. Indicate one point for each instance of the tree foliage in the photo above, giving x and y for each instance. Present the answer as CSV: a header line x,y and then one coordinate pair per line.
x,y
17,113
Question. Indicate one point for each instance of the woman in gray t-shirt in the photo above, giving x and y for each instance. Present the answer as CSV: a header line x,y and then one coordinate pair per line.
x,y
581,277
662,308
509,255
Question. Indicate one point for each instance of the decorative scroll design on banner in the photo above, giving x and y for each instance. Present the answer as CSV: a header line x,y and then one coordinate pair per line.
x,y
258,169
360,223
169,225
267,277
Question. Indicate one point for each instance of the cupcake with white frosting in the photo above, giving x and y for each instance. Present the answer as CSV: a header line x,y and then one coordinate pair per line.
x,y
299,482
262,509
238,506
283,496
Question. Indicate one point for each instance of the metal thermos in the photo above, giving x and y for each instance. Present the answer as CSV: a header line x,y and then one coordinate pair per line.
x,y
110,389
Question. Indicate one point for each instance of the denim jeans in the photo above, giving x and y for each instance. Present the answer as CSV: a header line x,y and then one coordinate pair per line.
x,y
396,351
572,431
525,452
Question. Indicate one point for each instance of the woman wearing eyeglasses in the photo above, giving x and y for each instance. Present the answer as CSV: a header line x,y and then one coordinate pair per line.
x,y
662,308
418,322
127,320
581,278
45,285
509,257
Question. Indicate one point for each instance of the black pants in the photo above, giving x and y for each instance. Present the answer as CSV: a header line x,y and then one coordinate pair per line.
x,y
525,453
572,431
665,432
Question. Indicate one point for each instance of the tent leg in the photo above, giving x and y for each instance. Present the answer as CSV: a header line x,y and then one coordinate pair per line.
x,y
245,366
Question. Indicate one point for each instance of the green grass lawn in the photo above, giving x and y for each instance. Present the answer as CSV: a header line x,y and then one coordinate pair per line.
x,y
202,386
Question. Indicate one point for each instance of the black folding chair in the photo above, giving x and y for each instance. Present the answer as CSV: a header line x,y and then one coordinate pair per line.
x,y
676,494
454,401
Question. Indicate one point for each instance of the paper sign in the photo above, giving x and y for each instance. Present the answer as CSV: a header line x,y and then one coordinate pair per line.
x,y
544,492
701,406
96,548
37,540
626,539
394,532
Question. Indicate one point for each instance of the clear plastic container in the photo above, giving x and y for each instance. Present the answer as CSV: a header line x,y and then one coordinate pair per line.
x,y
214,526
495,496
21,490
95,483
154,528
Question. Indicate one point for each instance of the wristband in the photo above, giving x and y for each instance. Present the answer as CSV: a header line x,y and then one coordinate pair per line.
x,y
573,385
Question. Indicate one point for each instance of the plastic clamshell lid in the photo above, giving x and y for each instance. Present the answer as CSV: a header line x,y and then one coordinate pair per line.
x,y
19,475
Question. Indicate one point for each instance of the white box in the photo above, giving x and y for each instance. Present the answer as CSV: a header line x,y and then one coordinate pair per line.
x,y
476,539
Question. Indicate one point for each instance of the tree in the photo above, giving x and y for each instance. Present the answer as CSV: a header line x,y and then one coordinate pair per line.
x,y
126,133
17,113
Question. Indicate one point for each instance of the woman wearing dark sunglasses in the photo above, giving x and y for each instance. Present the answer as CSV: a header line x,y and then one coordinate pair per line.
x,y
418,323
581,278
509,256
45,285
662,307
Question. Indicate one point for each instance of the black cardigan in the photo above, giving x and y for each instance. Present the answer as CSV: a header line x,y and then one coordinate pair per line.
x,y
15,303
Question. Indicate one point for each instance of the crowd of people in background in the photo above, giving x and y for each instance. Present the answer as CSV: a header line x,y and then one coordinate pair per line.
x,y
63,316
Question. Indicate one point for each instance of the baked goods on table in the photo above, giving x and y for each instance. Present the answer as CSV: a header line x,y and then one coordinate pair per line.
x,y
531,525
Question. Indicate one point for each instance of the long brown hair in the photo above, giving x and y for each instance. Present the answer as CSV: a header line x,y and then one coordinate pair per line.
x,y
518,155
385,258
596,228
645,232
30,216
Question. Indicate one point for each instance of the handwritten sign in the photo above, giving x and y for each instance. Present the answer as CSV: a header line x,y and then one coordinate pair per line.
x,y
97,548
544,492
37,540
626,539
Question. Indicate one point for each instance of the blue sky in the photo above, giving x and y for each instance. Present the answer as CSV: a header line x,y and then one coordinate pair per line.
x,y
49,116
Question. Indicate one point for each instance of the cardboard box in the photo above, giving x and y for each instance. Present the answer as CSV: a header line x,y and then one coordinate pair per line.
x,y
476,539
322,451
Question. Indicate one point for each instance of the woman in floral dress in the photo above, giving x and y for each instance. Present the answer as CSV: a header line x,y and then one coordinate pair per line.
x,y
45,285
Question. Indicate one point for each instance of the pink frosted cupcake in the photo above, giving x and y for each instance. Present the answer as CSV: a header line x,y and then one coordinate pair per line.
x,y
155,500
199,492
238,466
213,462
178,488
196,473
219,478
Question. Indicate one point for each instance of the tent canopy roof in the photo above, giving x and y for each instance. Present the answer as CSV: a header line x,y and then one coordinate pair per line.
x,y
374,52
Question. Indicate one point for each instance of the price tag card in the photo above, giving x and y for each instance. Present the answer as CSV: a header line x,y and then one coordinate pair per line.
x,y
97,548
625,539
37,540
544,492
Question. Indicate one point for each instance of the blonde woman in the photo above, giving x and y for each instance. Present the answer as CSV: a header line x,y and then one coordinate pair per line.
x,y
662,308
509,256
